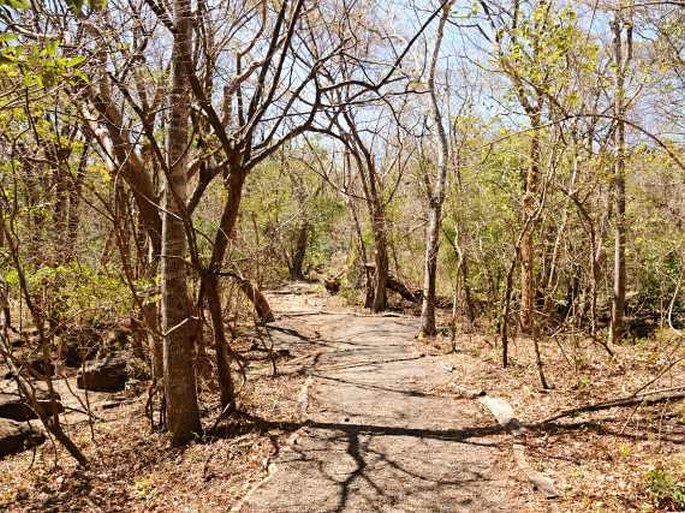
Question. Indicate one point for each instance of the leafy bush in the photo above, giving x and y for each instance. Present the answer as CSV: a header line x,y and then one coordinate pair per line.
x,y
665,490
74,293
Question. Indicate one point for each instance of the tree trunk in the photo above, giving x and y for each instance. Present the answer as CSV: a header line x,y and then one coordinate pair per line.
x,y
594,280
59,215
179,371
437,197
74,214
297,264
528,240
619,289
212,286
150,314
504,315
466,286
428,327
380,258
223,362
6,322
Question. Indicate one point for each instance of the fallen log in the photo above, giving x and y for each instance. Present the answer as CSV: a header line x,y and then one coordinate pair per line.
x,y
657,396
413,295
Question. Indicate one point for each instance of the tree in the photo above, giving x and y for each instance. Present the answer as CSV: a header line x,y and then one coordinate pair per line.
x,y
178,324
622,55
531,43
437,196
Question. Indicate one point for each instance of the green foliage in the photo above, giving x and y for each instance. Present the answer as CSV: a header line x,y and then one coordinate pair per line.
x,y
37,65
665,490
16,4
281,199
655,247
323,211
145,489
537,48
484,207
76,5
74,293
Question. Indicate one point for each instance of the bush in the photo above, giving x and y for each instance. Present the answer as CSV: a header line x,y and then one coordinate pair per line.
x,y
665,490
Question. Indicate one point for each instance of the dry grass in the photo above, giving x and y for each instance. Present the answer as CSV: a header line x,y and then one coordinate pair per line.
x,y
134,469
601,461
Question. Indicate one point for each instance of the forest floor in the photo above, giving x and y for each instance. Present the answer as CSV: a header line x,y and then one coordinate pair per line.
x,y
361,416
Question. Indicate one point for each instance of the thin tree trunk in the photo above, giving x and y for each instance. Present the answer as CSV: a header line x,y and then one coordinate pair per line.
x,y
380,259
223,365
619,289
437,197
594,280
504,314
59,216
74,214
212,286
297,264
528,240
6,322
466,286
179,370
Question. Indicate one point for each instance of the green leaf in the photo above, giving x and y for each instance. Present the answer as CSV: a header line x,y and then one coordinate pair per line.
x,y
16,4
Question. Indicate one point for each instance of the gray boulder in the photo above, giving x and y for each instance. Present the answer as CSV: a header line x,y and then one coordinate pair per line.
x,y
108,375
14,406
36,366
17,436
73,353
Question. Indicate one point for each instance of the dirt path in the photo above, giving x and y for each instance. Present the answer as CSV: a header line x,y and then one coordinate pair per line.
x,y
375,436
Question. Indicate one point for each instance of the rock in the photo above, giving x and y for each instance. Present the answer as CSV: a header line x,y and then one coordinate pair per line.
x,y
41,389
109,375
14,406
73,353
18,436
38,367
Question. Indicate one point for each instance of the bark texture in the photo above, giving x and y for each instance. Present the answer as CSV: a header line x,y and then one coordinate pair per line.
x,y
437,197
621,59
177,322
